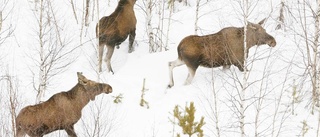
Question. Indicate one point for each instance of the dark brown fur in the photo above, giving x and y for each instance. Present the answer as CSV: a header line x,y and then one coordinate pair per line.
x,y
114,29
59,112
223,48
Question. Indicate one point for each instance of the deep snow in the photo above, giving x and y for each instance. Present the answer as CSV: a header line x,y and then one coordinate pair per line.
x,y
272,76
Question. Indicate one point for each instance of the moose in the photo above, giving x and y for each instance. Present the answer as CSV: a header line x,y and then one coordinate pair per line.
x,y
224,48
61,111
114,29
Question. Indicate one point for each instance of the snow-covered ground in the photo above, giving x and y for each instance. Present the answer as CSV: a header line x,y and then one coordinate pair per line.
x,y
274,74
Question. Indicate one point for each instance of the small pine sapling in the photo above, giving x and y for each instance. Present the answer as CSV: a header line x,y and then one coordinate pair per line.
x,y
118,99
186,121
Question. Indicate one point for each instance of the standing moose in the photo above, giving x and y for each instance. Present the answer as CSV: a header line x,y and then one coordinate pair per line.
x,y
61,111
114,29
223,48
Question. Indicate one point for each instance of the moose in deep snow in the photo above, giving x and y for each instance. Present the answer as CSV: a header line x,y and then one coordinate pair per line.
x,y
223,48
114,29
61,111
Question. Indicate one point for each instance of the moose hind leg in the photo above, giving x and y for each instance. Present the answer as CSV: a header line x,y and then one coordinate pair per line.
x,y
172,65
192,72
20,132
132,36
240,65
108,58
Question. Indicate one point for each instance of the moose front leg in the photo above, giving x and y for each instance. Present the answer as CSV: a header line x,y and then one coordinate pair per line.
x,y
101,48
132,36
108,57
70,131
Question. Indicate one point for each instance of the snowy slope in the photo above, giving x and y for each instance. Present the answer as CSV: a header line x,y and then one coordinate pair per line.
x,y
271,79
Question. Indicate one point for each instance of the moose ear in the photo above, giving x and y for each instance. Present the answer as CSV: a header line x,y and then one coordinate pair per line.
x,y
250,25
262,21
82,79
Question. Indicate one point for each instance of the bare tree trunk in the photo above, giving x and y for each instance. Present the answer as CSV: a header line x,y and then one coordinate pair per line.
x,y
160,5
171,7
93,9
197,17
245,73
98,12
311,50
281,16
53,50
83,20
87,13
316,54
36,5
74,11
215,113
316,57
42,79
0,20
13,101
152,45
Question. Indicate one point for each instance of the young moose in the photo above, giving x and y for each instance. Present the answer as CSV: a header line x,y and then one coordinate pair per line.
x,y
114,29
61,111
220,49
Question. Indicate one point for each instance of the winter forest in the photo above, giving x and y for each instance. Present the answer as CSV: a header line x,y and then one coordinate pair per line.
x,y
44,43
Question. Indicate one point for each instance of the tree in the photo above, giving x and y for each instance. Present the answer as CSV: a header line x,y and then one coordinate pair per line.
x,y
155,33
316,43
187,120
244,83
281,16
197,17
53,50
152,45
5,30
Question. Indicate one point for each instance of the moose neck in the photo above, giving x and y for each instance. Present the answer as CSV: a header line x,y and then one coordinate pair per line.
x,y
79,95
250,38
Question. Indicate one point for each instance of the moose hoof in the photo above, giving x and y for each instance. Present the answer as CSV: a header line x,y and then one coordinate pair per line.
x,y
111,71
130,50
169,86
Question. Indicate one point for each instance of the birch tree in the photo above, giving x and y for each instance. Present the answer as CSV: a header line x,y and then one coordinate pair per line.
x,y
316,66
5,29
86,16
152,46
53,52
0,20
154,33
197,17
245,73
316,57
171,8
42,77
307,39
281,15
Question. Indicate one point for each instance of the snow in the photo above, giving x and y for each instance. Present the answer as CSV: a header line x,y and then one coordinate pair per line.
x,y
273,74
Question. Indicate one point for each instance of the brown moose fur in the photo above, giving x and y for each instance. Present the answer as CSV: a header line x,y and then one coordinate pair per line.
x,y
223,48
59,112
115,28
